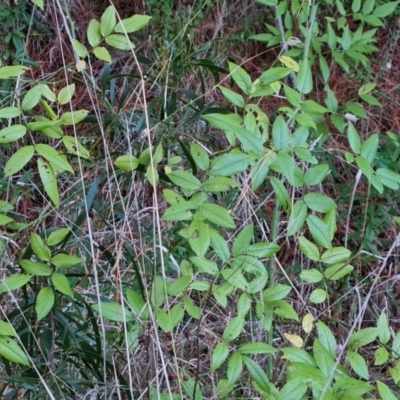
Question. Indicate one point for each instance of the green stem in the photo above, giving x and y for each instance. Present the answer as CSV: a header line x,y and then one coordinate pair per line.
x,y
310,23
271,274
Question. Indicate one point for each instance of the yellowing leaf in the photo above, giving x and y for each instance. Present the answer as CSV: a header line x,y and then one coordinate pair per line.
x,y
308,323
289,63
295,340
80,65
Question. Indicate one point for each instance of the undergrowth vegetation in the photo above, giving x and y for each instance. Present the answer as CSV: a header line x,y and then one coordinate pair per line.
x,y
191,211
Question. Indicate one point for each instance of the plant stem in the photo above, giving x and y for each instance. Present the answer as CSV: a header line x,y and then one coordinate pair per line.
x,y
271,274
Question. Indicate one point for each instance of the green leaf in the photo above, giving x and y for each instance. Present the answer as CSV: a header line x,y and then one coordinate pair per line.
x,y
358,364
223,388
172,197
311,107
381,356
311,275
31,98
168,321
367,88
257,373
65,260
14,282
218,184
220,246
319,231
325,361
327,338
158,292
94,33
35,268
256,348
241,77
178,212
58,161
11,351
293,97
79,48
365,167
57,236
337,271
204,265
356,109
288,168
44,302
346,38
191,308
368,6
309,249
137,304
74,146
362,337
276,292
262,250
305,155
338,57
388,178
219,355
113,312
318,296
61,283
12,133
230,164
335,255
102,54
280,134
233,329
234,368
297,218
127,163
73,117
383,328
132,24
120,42
12,71
4,220
293,390
281,193
18,160
384,390
304,81
384,10
354,138
200,156
6,329
185,180
235,98
244,304
274,74
10,112
242,240
396,346
298,355
65,94
315,175
39,247
108,21
355,6
217,215
49,181
200,237
284,309
369,148
5,207
323,65
319,202
235,278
